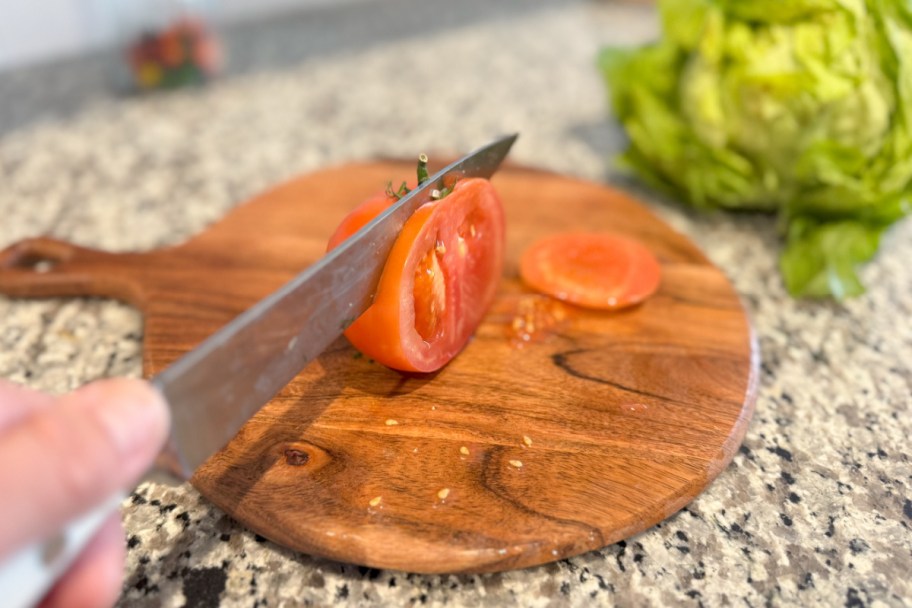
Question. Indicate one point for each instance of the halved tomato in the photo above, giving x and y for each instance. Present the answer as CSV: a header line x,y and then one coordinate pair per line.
x,y
607,271
439,279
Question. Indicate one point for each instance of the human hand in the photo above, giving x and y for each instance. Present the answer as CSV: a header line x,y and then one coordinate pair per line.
x,y
61,456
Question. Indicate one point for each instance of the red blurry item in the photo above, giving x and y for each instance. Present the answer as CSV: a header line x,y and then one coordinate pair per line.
x,y
185,53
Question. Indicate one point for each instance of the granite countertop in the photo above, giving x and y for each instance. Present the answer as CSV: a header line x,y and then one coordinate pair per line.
x,y
816,507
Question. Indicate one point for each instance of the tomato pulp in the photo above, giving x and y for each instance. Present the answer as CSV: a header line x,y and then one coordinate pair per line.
x,y
606,271
439,279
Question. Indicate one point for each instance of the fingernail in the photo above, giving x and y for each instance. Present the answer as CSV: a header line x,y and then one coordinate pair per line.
x,y
134,415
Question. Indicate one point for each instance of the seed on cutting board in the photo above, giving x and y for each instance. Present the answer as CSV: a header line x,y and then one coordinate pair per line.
x,y
527,440
464,451
375,501
516,463
442,494
391,422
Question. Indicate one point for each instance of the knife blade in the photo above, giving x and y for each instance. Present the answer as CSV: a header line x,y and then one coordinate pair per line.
x,y
215,388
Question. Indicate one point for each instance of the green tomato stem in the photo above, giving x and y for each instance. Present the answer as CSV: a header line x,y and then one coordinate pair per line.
x,y
396,194
422,168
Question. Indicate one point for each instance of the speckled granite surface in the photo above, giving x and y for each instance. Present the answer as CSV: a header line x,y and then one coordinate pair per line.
x,y
816,508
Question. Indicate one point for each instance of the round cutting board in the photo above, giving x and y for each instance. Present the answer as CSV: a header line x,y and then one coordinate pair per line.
x,y
557,430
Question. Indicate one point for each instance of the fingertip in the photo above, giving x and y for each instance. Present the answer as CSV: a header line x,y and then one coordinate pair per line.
x,y
136,412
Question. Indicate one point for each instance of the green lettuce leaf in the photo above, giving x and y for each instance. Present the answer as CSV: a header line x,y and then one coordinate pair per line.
x,y
821,259
798,107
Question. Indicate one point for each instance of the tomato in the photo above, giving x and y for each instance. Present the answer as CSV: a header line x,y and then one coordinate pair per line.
x,y
439,279
606,271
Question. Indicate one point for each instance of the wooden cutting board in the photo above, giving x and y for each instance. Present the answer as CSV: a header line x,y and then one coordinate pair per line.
x,y
519,452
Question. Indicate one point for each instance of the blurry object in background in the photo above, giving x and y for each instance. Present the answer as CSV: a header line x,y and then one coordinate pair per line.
x,y
170,44
803,107
186,52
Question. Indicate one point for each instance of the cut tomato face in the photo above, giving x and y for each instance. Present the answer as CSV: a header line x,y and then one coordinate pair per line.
x,y
605,271
439,279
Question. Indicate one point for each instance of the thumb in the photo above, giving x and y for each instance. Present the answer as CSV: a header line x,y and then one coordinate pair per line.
x,y
64,459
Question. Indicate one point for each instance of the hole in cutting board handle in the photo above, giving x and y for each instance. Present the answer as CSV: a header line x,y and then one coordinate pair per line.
x,y
35,262
37,255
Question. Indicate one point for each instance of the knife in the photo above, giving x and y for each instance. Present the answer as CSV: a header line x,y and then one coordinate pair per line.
x,y
215,388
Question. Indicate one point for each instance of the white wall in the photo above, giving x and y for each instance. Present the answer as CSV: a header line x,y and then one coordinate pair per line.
x,y
36,30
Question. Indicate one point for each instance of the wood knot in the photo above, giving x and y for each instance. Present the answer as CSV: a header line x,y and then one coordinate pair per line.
x,y
295,457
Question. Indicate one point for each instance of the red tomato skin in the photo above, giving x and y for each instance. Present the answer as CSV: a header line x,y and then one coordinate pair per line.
x,y
359,217
386,331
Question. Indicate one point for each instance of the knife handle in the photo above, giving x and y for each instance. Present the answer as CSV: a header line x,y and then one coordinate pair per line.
x,y
26,576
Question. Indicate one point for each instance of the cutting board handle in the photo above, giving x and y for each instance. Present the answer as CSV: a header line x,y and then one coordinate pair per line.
x,y
45,267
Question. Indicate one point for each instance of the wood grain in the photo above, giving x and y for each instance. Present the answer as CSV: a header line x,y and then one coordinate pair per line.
x,y
618,419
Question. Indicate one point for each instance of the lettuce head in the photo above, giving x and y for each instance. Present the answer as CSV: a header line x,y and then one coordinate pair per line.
x,y
799,107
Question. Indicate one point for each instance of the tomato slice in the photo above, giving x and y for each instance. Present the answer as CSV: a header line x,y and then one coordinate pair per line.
x,y
605,271
439,279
